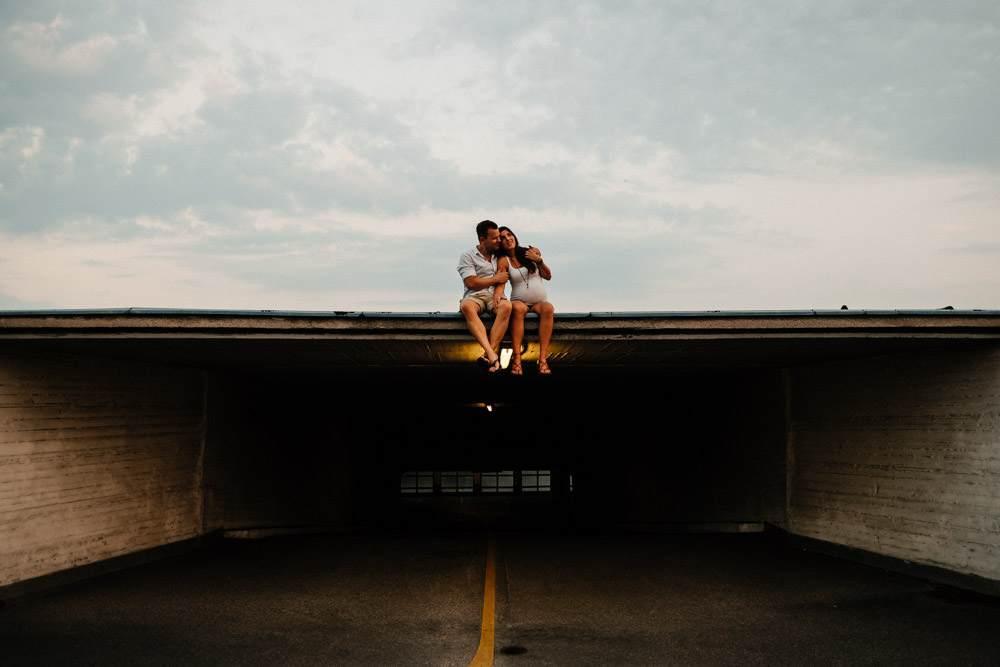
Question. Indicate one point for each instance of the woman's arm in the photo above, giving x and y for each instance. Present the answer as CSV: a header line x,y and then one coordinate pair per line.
x,y
535,255
502,265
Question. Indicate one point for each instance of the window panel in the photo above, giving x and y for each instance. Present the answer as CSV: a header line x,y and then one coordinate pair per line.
x,y
536,481
456,481
498,482
417,481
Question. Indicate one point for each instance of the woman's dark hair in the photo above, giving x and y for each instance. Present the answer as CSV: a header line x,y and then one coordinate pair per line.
x,y
519,252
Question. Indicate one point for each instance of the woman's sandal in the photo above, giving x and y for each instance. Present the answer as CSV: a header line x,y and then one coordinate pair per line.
x,y
543,367
515,368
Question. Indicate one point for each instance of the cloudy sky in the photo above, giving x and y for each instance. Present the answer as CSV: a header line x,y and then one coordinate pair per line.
x,y
336,155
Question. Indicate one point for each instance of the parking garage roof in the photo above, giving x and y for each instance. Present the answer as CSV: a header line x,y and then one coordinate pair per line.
x,y
362,343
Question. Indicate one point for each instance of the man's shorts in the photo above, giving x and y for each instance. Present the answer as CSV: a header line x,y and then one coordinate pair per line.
x,y
483,299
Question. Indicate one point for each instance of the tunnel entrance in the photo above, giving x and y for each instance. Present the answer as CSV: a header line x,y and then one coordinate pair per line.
x,y
138,429
551,451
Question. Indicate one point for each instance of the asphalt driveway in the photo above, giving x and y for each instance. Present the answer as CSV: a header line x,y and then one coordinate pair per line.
x,y
561,599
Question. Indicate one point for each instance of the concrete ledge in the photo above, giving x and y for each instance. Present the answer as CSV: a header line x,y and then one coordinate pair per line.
x,y
930,573
318,343
284,531
37,585
728,527
133,321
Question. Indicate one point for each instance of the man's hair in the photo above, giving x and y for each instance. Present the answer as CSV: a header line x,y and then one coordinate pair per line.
x,y
483,228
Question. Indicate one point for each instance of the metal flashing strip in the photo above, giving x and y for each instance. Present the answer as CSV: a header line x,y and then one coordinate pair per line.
x,y
152,323
305,314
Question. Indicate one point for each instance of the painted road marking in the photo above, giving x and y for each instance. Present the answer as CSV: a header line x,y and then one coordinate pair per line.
x,y
484,656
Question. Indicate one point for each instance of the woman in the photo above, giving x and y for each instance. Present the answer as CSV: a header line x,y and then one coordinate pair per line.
x,y
526,270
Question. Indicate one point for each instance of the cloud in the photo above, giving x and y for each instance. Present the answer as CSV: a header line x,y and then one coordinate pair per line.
x,y
730,87
40,47
664,154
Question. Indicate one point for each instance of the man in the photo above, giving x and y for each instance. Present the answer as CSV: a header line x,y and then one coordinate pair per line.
x,y
478,269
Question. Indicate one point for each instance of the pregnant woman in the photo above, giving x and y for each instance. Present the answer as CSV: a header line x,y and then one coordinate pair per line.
x,y
526,270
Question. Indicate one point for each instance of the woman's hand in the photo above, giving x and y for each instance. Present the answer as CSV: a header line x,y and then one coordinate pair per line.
x,y
533,253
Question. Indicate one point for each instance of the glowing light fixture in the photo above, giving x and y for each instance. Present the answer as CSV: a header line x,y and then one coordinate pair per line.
x,y
489,407
506,353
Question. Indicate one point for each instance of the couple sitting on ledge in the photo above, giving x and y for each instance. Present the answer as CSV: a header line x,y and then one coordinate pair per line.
x,y
486,270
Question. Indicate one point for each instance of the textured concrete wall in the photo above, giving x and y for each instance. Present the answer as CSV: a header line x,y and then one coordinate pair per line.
x,y
97,459
901,456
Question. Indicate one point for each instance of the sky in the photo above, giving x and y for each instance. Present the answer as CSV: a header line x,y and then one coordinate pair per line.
x,y
337,155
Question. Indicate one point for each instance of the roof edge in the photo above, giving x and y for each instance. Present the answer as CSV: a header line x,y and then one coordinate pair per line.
x,y
194,312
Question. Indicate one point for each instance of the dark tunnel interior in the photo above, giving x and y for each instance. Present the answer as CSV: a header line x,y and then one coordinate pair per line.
x,y
610,451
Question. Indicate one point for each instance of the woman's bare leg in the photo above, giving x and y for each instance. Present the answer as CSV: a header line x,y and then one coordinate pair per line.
x,y
546,323
518,309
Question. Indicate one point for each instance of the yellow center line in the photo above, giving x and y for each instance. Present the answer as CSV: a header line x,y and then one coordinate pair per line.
x,y
484,656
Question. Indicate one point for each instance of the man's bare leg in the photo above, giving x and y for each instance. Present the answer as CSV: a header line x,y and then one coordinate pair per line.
x,y
501,316
470,309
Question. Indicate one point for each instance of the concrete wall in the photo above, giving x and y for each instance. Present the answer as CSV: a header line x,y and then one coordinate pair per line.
x,y
97,459
103,458
900,456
